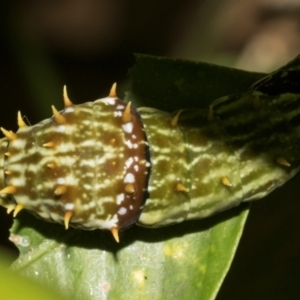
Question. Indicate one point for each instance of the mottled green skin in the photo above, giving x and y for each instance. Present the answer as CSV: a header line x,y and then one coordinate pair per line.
x,y
241,143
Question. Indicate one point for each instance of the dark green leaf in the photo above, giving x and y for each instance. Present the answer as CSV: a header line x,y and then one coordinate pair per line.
x,y
171,84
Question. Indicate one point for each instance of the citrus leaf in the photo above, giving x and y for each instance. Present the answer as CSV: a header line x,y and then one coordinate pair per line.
x,y
171,84
184,261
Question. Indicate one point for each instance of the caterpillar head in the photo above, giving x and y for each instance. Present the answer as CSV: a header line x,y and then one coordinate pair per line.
x,y
85,167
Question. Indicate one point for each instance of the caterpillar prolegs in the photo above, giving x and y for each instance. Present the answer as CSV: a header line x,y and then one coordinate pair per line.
x,y
107,165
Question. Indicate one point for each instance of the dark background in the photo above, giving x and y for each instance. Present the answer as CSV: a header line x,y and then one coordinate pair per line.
x,y
89,44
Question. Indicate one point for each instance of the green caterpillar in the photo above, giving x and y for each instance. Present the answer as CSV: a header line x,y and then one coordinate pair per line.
x,y
106,165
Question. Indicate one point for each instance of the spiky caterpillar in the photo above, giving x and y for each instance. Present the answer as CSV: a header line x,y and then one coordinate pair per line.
x,y
105,165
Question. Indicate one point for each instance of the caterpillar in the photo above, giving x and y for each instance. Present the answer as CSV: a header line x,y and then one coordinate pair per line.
x,y
107,165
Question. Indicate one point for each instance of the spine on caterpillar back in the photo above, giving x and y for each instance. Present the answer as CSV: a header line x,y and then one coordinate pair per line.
x,y
205,161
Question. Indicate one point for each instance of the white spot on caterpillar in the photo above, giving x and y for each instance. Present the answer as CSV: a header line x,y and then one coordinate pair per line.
x,y
108,224
129,178
122,211
19,181
20,143
129,162
118,114
106,181
61,180
131,207
87,143
61,128
150,188
129,144
71,180
120,106
136,168
128,127
120,198
91,203
110,101
69,109
69,206
87,186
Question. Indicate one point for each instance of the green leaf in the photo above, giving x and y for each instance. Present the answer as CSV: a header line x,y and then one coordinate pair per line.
x,y
184,261
171,84
13,286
